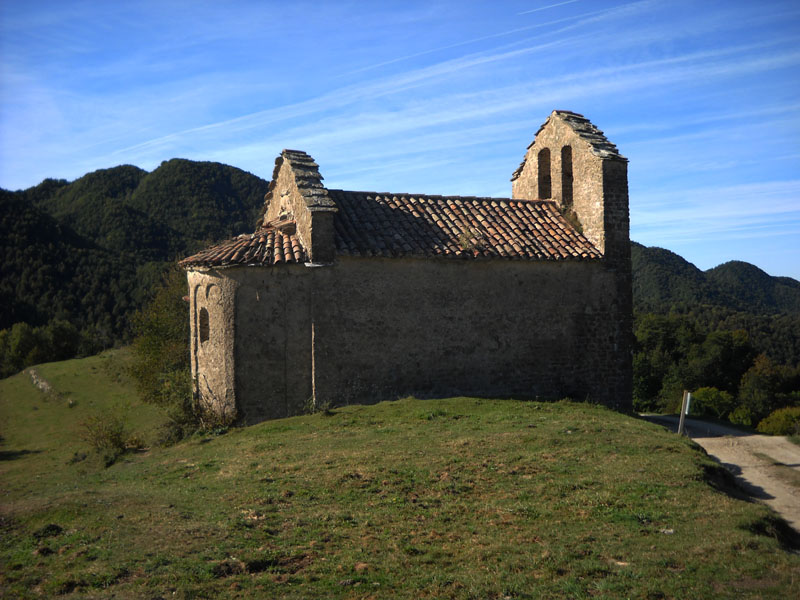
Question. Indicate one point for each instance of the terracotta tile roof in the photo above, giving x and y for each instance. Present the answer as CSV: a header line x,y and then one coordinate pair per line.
x,y
395,225
267,246
586,130
391,225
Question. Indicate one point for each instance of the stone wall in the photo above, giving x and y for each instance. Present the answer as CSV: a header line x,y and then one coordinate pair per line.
x,y
591,179
212,298
493,328
296,191
366,330
285,198
274,341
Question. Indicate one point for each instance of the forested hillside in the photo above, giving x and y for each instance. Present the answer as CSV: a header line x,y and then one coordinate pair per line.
x,y
732,332
663,280
87,254
79,258
49,272
173,211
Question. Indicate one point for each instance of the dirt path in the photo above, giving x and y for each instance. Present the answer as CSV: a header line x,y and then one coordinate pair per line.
x,y
768,467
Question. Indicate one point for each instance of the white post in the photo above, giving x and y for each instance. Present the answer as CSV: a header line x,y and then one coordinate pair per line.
x,y
683,411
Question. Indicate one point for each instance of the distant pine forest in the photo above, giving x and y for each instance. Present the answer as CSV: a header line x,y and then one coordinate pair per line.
x,y
82,258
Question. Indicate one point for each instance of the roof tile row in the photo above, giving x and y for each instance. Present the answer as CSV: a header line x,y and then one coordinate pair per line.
x,y
268,246
393,225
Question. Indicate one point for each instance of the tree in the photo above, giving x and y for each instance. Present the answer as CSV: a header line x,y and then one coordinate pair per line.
x,y
161,366
63,339
22,342
720,360
765,387
161,346
713,402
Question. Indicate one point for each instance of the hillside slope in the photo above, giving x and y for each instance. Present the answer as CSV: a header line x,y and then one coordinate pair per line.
x,y
161,215
454,498
91,251
663,280
753,290
49,271
203,201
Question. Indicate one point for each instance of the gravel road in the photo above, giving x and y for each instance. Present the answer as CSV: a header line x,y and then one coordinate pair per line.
x,y
766,466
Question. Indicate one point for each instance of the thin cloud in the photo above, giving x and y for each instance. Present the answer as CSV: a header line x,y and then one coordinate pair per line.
x,y
484,38
533,10
687,67
724,212
406,81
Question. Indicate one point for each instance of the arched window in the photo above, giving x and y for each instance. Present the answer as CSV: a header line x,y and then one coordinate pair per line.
x,y
544,174
203,325
566,176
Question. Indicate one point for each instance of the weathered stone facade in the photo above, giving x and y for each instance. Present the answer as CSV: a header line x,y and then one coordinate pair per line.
x,y
355,297
572,162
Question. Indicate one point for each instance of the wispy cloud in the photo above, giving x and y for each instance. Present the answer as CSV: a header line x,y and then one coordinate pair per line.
x,y
581,18
442,108
431,97
533,10
735,212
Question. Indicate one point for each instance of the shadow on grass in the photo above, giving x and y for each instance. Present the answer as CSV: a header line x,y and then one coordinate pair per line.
x,y
15,454
774,527
699,426
725,477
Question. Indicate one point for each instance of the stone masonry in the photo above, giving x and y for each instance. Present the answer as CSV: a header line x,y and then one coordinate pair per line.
x,y
357,297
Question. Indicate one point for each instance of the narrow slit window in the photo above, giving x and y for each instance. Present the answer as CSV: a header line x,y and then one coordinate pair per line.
x,y
544,174
566,175
203,325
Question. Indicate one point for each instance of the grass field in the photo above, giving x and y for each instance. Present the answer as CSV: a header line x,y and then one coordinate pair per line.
x,y
455,498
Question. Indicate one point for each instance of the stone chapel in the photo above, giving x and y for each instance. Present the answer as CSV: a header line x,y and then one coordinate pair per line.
x,y
357,297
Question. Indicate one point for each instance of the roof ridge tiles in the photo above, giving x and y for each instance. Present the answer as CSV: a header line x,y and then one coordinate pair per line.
x,y
416,196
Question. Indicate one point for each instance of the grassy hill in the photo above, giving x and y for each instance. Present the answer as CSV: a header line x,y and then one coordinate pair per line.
x,y
455,498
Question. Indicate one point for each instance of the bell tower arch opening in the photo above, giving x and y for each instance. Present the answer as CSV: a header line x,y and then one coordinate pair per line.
x,y
545,181
566,177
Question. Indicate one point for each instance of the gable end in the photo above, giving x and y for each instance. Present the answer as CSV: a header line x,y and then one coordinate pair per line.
x,y
296,193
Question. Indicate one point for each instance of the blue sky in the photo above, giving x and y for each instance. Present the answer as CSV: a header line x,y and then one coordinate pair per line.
x,y
703,97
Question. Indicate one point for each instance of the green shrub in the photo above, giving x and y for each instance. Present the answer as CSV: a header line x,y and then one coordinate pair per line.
x,y
742,415
184,414
105,432
712,402
109,437
767,386
784,421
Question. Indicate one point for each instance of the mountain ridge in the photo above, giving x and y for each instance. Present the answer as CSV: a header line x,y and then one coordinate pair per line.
x,y
93,250
663,280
